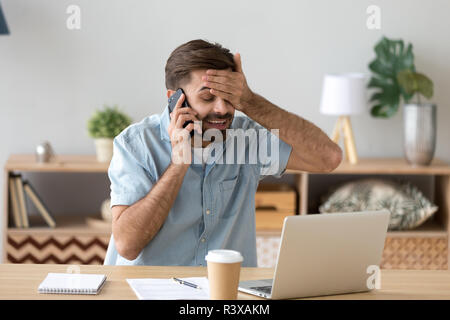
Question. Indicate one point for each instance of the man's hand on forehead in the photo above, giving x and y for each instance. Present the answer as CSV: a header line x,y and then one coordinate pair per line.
x,y
229,85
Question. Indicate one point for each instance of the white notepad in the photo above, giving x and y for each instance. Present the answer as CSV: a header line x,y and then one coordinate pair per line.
x,y
72,283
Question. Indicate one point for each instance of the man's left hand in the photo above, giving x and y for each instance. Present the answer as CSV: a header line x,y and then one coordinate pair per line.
x,y
229,85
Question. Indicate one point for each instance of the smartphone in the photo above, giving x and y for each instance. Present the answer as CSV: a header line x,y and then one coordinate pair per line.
x,y
173,99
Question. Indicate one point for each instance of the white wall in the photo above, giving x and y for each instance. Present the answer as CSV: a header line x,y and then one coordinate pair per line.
x,y
52,79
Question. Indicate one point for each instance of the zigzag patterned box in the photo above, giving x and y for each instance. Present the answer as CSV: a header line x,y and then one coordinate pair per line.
x,y
58,249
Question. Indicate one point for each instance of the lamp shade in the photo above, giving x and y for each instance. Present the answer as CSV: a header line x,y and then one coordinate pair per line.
x,y
344,94
3,25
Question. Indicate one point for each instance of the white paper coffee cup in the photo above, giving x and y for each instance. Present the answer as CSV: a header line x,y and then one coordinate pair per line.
x,y
224,268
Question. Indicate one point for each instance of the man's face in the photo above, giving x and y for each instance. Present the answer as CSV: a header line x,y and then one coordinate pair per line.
x,y
214,112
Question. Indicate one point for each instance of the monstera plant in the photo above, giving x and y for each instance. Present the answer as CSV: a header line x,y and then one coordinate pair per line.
x,y
394,77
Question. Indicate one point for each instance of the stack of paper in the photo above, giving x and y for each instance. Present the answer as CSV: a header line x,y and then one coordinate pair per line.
x,y
167,289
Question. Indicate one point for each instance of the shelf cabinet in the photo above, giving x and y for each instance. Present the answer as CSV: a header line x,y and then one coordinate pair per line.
x,y
427,246
74,241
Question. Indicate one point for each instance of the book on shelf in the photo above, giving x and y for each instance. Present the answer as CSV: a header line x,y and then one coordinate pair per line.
x,y
38,203
22,203
13,194
18,188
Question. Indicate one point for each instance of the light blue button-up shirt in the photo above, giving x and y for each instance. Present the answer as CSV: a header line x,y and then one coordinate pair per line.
x,y
215,206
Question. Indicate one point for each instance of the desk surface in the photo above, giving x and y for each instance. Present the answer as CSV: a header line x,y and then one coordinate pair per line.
x,y
20,281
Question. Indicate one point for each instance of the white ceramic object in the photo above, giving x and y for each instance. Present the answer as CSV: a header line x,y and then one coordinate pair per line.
x,y
104,149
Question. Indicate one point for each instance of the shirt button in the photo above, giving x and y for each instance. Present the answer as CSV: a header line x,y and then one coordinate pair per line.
x,y
208,211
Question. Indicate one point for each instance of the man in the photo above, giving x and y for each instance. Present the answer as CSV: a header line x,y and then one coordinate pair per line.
x,y
171,212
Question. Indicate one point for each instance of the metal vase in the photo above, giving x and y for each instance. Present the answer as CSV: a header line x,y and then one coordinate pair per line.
x,y
419,133
44,152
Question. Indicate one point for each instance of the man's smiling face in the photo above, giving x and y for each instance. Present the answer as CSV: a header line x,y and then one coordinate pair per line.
x,y
214,112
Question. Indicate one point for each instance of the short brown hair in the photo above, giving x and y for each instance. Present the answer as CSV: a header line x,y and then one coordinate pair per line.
x,y
194,55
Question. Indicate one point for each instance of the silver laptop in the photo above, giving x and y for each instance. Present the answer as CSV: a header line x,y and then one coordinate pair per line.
x,y
324,254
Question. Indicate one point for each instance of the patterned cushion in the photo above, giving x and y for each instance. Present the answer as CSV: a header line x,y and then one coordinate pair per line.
x,y
408,207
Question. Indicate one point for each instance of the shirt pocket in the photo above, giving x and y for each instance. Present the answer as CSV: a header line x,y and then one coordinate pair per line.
x,y
226,198
228,184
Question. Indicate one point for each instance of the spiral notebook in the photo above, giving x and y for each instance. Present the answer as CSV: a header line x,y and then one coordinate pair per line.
x,y
72,283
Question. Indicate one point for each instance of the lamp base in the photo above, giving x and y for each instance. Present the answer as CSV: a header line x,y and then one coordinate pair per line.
x,y
343,124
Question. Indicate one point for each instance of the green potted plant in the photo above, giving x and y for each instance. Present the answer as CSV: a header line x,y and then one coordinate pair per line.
x,y
396,81
103,126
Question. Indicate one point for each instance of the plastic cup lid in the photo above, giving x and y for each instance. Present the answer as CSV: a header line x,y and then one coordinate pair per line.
x,y
224,256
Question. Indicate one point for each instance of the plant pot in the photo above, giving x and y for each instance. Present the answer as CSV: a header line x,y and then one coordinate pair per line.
x,y
419,133
104,149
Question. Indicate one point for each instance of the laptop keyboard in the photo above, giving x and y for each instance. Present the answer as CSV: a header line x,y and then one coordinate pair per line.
x,y
265,289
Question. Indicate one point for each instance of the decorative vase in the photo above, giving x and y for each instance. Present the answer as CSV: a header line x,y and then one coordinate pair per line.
x,y
104,149
419,133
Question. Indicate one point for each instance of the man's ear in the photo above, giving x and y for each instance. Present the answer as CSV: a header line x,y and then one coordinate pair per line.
x,y
169,93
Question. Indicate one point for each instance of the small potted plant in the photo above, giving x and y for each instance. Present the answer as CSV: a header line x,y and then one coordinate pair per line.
x,y
396,80
103,126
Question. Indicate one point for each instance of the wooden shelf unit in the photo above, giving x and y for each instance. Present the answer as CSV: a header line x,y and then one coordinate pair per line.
x,y
72,240
59,163
434,233
65,225
408,249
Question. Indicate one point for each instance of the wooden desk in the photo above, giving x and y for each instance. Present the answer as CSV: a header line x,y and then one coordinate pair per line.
x,y
20,281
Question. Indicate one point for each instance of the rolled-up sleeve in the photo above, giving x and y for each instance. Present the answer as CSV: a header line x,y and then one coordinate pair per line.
x,y
273,152
130,181
278,154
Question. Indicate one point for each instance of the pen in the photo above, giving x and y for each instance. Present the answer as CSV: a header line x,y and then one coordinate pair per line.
x,y
189,284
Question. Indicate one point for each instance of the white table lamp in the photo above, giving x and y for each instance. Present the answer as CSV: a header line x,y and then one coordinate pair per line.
x,y
343,95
